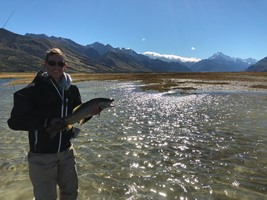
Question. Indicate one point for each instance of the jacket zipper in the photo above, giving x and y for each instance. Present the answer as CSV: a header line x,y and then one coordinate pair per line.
x,y
62,112
35,139
66,107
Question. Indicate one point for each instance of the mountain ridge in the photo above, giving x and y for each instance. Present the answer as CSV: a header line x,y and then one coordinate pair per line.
x,y
260,66
20,53
26,53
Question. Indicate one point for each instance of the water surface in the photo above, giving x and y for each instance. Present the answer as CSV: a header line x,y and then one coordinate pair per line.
x,y
156,146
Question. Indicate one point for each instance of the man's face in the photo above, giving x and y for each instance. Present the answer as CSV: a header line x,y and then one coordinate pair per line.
x,y
55,66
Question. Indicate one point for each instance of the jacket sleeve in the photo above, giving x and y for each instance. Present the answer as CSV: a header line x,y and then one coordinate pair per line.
x,y
22,114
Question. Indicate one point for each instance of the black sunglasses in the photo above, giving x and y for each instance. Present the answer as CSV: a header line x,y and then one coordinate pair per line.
x,y
54,63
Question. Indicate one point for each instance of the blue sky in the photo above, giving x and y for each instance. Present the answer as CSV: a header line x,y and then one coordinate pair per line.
x,y
188,28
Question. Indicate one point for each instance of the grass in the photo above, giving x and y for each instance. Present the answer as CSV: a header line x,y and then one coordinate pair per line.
x,y
164,81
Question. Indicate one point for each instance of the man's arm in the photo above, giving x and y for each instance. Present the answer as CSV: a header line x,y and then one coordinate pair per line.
x,y
22,114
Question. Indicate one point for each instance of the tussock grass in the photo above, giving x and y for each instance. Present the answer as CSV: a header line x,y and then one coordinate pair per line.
x,y
259,86
163,81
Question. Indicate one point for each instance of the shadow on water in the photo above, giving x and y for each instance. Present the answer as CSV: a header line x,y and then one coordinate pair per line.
x,y
157,146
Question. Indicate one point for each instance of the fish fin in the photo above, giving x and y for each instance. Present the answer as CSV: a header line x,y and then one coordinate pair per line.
x,y
85,120
76,108
69,127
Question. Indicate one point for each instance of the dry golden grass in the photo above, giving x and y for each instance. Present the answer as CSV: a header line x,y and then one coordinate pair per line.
x,y
164,81
259,86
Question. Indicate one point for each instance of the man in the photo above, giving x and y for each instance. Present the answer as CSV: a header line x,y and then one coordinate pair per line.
x,y
41,105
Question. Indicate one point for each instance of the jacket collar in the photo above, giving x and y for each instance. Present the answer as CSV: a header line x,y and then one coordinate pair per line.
x,y
64,83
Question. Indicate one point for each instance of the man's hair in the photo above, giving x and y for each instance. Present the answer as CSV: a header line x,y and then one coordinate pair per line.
x,y
54,51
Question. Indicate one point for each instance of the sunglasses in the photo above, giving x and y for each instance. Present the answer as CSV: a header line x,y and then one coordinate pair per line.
x,y
54,63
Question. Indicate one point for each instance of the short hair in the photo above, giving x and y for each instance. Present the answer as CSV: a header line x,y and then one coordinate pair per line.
x,y
54,51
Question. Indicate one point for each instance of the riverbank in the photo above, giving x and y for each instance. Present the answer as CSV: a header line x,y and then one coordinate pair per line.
x,y
240,81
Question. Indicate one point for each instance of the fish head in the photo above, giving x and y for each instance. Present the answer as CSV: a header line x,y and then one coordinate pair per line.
x,y
106,103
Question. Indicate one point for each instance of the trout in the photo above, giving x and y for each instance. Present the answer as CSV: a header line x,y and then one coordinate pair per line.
x,y
83,113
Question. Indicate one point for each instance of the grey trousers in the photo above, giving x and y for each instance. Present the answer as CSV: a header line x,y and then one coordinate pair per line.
x,y
49,170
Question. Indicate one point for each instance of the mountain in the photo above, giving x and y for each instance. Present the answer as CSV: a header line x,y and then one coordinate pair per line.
x,y
17,50
260,66
100,48
24,53
27,53
222,63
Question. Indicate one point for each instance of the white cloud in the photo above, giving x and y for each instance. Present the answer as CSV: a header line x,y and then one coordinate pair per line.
x,y
170,57
193,48
144,39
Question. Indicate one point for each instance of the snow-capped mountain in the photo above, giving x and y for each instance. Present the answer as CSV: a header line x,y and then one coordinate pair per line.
x,y
222,63
221,56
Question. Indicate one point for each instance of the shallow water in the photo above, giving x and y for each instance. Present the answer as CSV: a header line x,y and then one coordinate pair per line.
x,y
156,146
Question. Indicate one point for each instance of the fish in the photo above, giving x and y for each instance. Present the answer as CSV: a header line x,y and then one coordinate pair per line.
x,y
83,113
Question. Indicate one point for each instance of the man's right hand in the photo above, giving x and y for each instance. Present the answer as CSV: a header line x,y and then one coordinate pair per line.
x,y
56,125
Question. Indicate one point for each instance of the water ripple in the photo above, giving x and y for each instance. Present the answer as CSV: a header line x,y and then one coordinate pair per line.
x,y
157,146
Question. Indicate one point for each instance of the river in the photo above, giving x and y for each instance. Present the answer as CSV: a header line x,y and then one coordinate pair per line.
x,y
151,145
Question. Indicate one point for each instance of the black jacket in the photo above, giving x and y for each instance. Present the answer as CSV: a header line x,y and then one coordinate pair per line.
x,y
37,104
